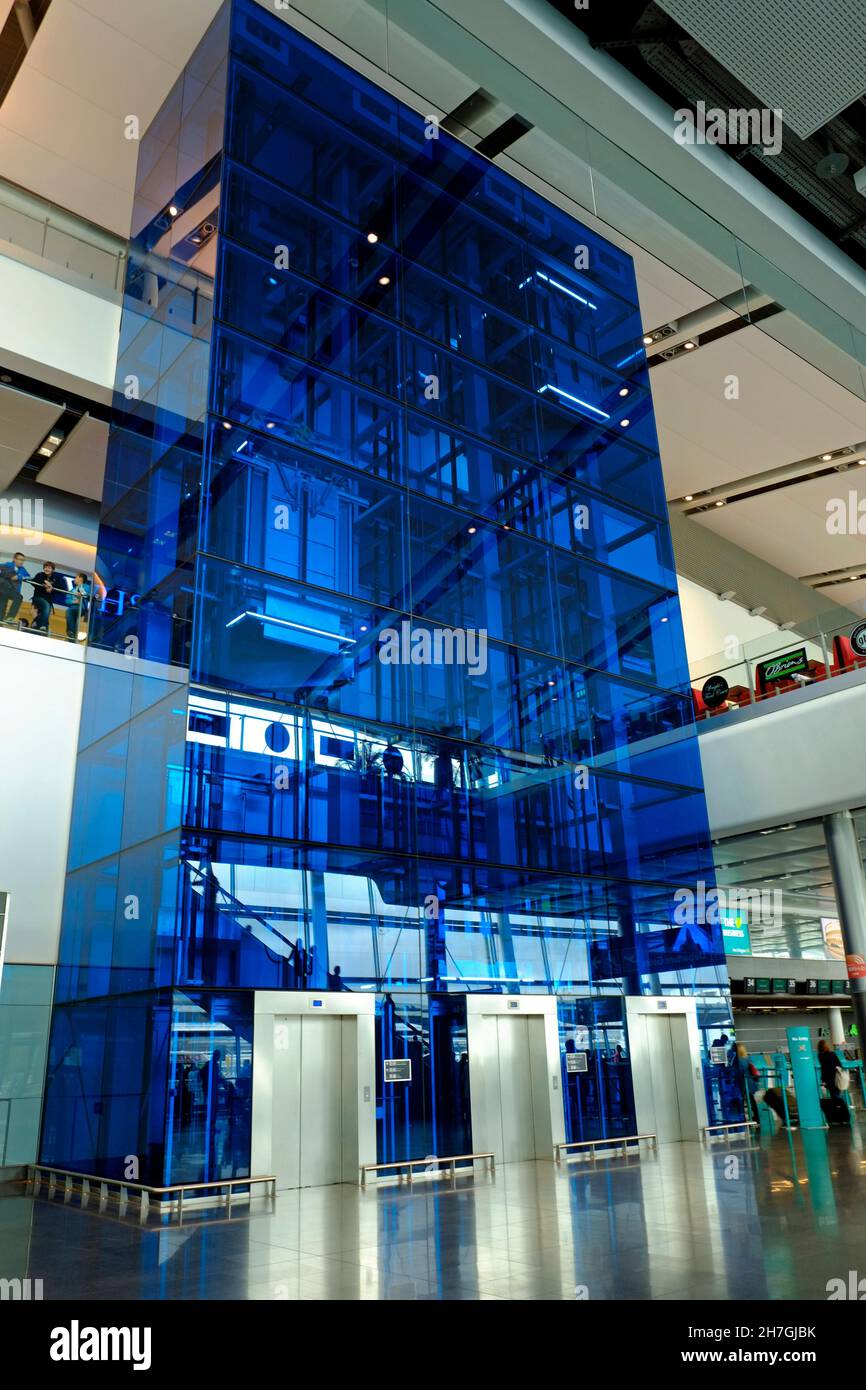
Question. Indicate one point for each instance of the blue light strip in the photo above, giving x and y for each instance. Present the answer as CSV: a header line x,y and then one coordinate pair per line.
x,y
585,405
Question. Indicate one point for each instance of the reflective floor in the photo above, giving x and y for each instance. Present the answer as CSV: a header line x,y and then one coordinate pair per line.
x,y
775,1220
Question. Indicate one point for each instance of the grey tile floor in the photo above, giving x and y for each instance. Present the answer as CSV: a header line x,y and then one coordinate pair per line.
x,y
771,1221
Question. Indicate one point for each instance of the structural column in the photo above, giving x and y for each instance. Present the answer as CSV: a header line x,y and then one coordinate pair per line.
x,y
837,1027
849,882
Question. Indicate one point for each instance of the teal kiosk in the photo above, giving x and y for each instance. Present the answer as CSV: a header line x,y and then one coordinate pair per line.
x,y
803,1069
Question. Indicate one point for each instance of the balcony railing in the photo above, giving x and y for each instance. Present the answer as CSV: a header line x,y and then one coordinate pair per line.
x,y
769,667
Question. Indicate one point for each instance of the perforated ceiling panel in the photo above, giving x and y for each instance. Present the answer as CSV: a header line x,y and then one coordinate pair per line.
x,y
805,57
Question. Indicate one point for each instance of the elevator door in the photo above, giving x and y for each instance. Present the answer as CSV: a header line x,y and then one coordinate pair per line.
x,y
515,1089
670,1071
308,1100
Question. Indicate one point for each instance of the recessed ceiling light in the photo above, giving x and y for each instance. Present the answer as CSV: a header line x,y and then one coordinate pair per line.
x,y
647,340
270,425
372,238
623,390
689,345
54,439
689,497
363,627
45,450
720,502
826,457
384,279
664,620
625,423
173,210
226,425
551,682
472,530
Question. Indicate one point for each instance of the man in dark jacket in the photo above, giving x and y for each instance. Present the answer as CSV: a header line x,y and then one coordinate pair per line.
x,y
11,575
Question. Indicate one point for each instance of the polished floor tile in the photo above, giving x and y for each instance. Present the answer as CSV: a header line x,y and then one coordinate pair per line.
x,y
683,1225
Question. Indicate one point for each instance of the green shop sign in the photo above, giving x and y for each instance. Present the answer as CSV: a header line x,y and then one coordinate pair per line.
x,y
781,666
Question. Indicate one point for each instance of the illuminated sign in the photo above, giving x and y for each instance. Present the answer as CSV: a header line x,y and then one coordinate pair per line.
x,y
779,667
735,934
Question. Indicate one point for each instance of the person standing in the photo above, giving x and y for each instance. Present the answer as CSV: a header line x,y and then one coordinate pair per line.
x,y
45,592
77,605
12,573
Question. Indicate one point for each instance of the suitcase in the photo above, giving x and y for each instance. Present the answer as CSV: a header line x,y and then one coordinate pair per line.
x,y
836,1112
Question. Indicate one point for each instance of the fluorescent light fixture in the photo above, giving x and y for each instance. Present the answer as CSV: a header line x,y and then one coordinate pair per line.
x,y
555,284
585,405
287,622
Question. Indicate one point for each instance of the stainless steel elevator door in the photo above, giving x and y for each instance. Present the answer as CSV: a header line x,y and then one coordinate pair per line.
x,y
307,1141
668,1050
515,1089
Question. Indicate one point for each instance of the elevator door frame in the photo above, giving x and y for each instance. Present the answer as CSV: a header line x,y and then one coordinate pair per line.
x,y
690,1091
482,1013
358,1072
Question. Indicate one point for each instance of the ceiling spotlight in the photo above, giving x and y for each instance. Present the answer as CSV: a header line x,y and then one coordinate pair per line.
x,y
664,620
625,423
384,279
173,210
647,340
363,627
720,502
372,238
689,345
728,593
226,425
855,576
270,425
623,390
551,682
689,497
825,458
472,530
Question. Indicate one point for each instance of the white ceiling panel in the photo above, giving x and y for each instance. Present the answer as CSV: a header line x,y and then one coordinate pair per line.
x,y
92,63
802,57
79,464
24,423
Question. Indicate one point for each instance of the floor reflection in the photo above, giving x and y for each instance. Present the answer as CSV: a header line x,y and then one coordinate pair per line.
x,y
776,1219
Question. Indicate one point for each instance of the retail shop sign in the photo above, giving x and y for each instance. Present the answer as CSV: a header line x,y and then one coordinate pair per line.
x,y
858,639
714,691
780,667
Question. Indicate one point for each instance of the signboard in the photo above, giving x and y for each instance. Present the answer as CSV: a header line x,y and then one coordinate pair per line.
x,y
397,1069
831,930
719,1055
779,668
825,986
762,984
858,639
735,934
856,967
714,692
575,1061
784,986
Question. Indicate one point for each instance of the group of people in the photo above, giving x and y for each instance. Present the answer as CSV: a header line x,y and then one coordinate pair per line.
x,y
49,588
785,1107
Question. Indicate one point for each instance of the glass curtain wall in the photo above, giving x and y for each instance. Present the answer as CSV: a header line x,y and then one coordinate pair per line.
x,y
413,558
